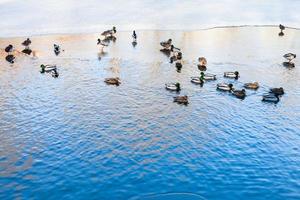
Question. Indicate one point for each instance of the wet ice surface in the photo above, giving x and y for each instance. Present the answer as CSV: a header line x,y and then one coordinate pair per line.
x,y
75,136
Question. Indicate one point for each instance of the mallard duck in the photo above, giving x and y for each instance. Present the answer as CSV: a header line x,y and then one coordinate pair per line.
x,y
224,87
277,91
289,56
47,68
134,36
270,98
181,99
173,86
288,64
231,74
113,81
197,80
166,44
27,51
9,49
281,27
208,77
10,58
176,56
253,86
241,94
178,65
202,61
27,42
202,68
109,33
56,49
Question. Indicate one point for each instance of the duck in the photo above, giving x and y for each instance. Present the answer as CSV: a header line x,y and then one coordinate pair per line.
x,y
288,64
277,91
176,56
225,87
113,81
252,86
289,56
281,27
178,65
270,98
103,44
9,49
241,94
166,44
47,68
109,33
134,36
209,76
56,49
54,73
181,99
198,80
202,61
231,74
173,86
27,42
10,58
27,51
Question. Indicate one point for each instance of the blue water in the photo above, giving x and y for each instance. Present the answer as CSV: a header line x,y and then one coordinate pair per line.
x,y
77,138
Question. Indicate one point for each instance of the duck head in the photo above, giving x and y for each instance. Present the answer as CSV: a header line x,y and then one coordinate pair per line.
x,y
230,86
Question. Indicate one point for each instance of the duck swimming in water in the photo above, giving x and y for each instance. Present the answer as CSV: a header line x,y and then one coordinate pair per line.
x,y
277,91
234,75
47,68
241,94
178,66
225,87
202,61
173,87
252,86
113,81
198,80
281,27
270,98
181,99
208,76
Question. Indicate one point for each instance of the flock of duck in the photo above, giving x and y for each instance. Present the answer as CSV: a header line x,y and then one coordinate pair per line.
x,y
175,56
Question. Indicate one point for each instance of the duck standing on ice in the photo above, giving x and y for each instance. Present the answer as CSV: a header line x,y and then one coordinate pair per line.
x,y
289,57
27,49
9,58
281,27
